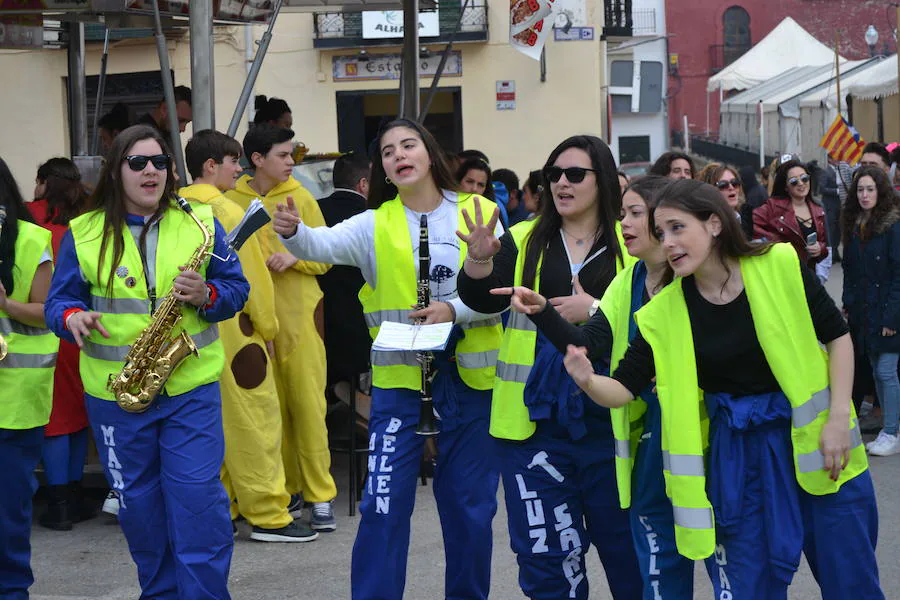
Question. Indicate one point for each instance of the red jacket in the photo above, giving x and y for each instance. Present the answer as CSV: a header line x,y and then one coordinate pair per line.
x,y
776,222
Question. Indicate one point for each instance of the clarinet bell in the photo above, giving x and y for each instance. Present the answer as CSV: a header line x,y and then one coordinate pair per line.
x,y
427,422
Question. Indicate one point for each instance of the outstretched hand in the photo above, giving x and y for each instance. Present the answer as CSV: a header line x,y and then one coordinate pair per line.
x,y
481,241
286,218
579,366
522,299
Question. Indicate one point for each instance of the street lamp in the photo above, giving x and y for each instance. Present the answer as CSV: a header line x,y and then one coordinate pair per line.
x,y
872,41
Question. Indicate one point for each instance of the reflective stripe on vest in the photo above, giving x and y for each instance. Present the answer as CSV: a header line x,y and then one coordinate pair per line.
x,y
509,415
476,352
127,313
26,374
781,317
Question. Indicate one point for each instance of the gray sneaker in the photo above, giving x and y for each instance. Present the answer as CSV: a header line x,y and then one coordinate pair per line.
x,y
292,532
322,517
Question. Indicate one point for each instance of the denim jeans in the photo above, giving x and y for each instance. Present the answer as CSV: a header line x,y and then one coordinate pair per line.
x,y
887,384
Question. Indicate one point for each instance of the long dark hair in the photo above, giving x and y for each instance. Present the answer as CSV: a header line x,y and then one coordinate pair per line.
x,y
649,188
64,192
780,184
109,195
663,164
380,190
609,207
887,202
703,201
476,164
10,199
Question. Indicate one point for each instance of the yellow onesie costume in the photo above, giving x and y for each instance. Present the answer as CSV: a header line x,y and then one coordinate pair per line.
x,y
253,472
299,348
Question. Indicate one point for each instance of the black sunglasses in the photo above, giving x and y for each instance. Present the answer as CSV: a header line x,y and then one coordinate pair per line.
x,y
798,180
724,183
137,162
573,174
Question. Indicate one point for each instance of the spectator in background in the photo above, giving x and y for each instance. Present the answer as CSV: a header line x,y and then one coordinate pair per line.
x,y
674,165
515,208
110,124
59,198
158,118
532,192
831,200
474,177
272,110
876,155
623,180
347,339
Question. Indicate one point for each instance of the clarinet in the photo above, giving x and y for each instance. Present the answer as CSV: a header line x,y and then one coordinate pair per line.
x,y
427,422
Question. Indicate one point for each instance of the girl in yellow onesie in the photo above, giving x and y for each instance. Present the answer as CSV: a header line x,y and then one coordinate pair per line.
x,y
253,472
299,349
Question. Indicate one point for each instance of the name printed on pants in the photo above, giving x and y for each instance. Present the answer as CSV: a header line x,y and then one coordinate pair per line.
x,y
652,569
379,480
569,539
724,584
113,466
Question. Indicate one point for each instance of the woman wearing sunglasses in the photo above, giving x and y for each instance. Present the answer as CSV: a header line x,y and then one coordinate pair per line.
x,y
116,266
555,449
792,215
725,178
762,452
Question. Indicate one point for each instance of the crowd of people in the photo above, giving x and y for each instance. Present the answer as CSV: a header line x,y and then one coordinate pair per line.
x,y
638,361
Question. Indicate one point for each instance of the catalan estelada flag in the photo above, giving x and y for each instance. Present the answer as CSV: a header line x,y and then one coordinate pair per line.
x,y
843,142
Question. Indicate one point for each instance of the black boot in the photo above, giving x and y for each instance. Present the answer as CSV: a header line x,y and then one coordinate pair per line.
x,y
80,508
57,515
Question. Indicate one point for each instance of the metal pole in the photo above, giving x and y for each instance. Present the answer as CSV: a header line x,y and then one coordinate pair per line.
x,y
440,68
762,136
169,92
202,72
837,70
879,108
254,71
77,89
687,136
543,64
101,89
409,68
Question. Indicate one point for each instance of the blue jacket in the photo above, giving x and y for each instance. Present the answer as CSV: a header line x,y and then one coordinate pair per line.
x,y
872,285
69,289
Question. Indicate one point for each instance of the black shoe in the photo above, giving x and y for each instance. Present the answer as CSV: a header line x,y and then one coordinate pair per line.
x,y
295,506
57,515
80,508
292,532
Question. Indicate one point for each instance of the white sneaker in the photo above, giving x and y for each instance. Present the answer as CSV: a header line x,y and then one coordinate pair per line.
x,y
111,504
884,445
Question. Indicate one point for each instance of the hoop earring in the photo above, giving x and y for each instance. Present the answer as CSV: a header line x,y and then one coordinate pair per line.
x,y
388,181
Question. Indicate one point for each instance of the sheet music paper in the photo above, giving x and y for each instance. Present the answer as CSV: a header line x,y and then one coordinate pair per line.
x,y
254,218
400,337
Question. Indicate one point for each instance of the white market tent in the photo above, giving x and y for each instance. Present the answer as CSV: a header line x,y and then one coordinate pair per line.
x,y
878,82
786,47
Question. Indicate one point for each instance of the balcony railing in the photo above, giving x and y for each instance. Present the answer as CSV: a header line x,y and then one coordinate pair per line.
x,y
345,29
644,21
618,19
720,56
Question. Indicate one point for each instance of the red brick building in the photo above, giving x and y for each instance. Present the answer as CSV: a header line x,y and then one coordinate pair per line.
x,y
707,35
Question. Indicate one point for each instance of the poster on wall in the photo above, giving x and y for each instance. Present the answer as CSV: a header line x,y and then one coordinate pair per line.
x,y
530,22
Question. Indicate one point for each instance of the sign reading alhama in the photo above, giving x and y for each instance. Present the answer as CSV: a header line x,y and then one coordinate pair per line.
x,y
380,24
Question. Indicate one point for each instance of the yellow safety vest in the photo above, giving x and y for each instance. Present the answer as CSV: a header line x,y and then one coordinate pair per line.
x,y
26,374
127,312
775,291
509,415
395,268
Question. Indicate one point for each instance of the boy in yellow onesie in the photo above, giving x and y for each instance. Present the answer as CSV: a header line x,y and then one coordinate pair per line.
x,y
299,347
253,472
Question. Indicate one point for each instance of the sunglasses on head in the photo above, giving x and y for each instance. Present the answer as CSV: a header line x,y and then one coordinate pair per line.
x,y
798,180
573,174
137,162
724,183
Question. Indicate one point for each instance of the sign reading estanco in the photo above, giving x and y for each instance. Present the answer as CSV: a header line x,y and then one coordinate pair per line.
x,y
380,24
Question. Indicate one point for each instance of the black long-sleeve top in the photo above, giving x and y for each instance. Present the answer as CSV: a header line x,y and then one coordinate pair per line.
x,y
555,275
729,356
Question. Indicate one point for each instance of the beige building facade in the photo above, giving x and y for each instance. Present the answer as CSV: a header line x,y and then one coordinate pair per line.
x,y
326,91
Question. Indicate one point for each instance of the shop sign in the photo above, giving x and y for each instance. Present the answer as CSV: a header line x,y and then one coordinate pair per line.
x,y
387,66
380,24
506,95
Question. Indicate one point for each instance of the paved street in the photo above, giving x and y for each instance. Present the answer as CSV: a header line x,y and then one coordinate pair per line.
x,y
92,562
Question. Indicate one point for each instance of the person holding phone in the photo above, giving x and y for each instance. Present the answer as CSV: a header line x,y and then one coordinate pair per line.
x,y
792,215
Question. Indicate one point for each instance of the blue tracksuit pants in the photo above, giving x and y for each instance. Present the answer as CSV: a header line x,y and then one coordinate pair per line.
x,y
465,489
561,498
667,575
174,511
20,451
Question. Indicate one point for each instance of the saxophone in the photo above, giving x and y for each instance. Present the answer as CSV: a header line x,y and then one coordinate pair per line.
x,y
154,356
4,348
